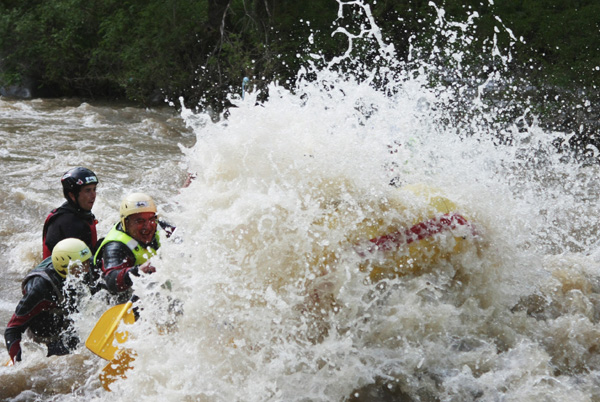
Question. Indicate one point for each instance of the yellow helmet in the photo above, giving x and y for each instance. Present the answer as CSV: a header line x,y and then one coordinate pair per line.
x,y
134,204
67,251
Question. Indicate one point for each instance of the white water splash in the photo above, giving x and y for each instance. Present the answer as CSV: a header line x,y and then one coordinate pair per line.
x,y
269,300
282,187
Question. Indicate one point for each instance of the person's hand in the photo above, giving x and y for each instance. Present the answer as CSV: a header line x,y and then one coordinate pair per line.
x,y
147,268
15,355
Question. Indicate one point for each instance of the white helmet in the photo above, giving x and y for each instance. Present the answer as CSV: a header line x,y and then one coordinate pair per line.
x,y
134,204
69,251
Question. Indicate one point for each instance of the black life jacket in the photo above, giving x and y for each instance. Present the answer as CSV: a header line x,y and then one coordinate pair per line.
x,y
60,211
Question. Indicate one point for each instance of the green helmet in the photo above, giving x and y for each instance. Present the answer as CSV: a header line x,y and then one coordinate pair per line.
x,y
69,251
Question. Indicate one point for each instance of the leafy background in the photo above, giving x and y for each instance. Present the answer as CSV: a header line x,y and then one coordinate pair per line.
x,y
152,51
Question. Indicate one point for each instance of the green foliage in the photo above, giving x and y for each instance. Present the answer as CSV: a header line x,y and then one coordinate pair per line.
x,y
151,50
561,39
49,41
146,46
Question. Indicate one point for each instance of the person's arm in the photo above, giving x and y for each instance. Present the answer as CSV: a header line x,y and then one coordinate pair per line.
x,y
118,264
12,338
35,300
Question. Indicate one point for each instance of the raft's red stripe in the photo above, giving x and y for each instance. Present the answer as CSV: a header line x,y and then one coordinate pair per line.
x,y
417,232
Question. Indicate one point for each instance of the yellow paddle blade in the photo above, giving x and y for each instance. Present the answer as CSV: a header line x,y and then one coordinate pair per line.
x,y
116,368
9,363
102,337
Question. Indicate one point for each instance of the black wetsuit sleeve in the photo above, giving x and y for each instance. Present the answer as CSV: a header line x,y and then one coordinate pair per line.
x,y
68,225
118,264
38,298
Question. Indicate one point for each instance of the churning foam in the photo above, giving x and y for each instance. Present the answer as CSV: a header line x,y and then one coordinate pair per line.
x,y
261,294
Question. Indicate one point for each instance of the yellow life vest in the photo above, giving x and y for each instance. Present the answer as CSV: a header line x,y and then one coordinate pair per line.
x,y
142,254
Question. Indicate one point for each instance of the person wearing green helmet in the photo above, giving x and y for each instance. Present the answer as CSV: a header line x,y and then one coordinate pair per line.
x,y
130,244
46,304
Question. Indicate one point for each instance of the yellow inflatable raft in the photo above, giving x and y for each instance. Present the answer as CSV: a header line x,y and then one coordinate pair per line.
x,y
410,232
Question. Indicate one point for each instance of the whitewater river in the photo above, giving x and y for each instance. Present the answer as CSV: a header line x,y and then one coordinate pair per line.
x,y
313,258
130,149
